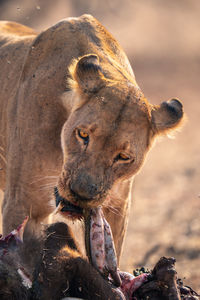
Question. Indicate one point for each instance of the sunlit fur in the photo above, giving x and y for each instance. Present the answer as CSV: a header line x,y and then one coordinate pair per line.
x,y
72,76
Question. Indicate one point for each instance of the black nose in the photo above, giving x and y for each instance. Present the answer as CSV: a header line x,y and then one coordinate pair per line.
x,y
84,187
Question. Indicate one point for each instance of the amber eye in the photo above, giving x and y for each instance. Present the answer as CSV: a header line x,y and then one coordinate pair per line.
x,y
122,156
84,136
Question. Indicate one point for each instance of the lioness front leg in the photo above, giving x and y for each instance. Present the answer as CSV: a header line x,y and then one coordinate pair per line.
x,y
117,213
32,174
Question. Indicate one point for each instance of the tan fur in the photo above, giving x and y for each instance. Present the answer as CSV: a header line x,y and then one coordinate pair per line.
x,y
43,100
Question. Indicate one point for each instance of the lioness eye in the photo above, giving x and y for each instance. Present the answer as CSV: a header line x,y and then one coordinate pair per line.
x,y
84,136
122,156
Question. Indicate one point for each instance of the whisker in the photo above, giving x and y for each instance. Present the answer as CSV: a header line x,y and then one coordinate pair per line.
x,y
46,187
50,189
41,178
48,183
116,212
115,204
113,209
52,170
3,158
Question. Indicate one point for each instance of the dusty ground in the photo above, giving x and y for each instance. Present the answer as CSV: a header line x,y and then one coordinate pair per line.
x,y
162,41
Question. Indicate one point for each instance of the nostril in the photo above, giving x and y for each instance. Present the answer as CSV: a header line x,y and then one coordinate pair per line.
x,y
93,188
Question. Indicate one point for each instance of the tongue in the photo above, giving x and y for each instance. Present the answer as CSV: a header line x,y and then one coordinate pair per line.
x,y
100,246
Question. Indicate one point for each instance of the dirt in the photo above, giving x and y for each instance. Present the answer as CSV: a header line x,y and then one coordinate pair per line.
x,y
162,41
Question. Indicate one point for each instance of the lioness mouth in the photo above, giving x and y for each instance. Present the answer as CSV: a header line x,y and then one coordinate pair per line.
x,y
66,206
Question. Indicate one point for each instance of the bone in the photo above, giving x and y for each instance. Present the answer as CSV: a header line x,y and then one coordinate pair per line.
x,y
101,253
97,245
111,257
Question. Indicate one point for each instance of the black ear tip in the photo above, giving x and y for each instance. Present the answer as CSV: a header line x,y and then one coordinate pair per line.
x,y
174,107
176,104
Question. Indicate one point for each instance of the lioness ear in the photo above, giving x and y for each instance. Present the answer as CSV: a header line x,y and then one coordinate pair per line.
x,y
167,116
87,74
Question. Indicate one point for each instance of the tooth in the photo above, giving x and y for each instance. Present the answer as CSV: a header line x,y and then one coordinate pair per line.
x,y
58,208
19,232
25,278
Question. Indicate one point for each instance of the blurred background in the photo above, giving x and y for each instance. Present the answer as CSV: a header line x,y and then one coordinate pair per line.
x,y
162,41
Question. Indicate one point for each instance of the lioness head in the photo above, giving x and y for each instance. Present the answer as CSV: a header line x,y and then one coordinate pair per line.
x,y
108,133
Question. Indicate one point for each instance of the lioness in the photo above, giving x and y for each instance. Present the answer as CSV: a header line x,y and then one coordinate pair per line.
x,y
71,109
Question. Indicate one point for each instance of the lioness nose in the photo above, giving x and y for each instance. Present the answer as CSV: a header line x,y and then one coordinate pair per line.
x,y
84,187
